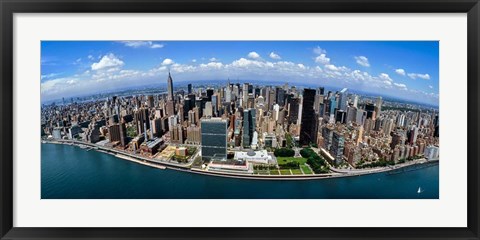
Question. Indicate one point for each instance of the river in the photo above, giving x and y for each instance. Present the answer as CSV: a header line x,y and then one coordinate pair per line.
x,y
69,172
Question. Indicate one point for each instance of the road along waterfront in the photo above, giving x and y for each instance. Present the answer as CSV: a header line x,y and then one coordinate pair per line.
x,y
187,167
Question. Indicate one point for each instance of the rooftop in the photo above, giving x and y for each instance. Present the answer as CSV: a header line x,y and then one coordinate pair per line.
x,y
152,142
252,154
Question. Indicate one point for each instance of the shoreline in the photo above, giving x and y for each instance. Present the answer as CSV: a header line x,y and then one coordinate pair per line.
x,y
336,173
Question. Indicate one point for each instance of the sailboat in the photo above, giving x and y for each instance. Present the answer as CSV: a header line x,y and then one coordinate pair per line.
x,y
420,190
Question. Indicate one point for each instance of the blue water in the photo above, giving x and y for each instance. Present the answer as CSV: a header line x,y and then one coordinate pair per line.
x,y
69,172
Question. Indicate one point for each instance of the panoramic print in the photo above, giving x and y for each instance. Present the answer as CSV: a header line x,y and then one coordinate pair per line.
x,y
239,119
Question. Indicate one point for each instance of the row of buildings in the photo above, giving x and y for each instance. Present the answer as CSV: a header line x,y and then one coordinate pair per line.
x,y
238,117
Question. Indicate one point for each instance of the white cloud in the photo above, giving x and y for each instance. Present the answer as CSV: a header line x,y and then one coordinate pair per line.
x,y
194,60
301,66
58,84
242,68
254,55
331,67
213,59
167,61
216,65
419,75
400,71
319,51
243,62
401,86
91,57
138,44
275,56
362,60
430,86
385,77
107,61
322,58
50,75
156,45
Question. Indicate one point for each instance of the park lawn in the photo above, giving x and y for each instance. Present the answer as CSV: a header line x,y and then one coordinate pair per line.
x,y
283,160
306,169
285,172
296,171
274,171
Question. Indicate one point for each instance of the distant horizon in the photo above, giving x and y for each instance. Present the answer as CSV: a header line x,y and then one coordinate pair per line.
x,y
406,70
183,84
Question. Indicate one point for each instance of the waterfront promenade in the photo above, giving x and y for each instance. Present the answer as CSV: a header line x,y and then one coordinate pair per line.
x,y
125,153
187,167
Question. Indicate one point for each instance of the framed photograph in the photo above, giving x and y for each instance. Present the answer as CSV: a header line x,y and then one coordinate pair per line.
x,y
246,120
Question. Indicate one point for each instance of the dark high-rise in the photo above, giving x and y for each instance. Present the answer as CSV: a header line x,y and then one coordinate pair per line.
x,y
209,94
123,134
307,129
118,133
141,120
170,87
280,97
293,110
214,138
436,124
370,109
114,133
321,91
189,88
248,126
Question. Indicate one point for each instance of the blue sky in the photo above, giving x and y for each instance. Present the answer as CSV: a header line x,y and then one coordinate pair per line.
x,y
402,69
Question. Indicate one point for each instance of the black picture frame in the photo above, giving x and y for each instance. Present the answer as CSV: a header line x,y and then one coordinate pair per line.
x,y
9,7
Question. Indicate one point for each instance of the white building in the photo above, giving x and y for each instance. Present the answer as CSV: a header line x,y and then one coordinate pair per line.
x,y
230,167
432,152
254,140
57,133
261,156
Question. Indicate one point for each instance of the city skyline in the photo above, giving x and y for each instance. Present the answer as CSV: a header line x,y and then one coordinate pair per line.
x,y
404,70
246,131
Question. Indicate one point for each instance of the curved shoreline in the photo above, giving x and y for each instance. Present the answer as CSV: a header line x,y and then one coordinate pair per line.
x,y
186,168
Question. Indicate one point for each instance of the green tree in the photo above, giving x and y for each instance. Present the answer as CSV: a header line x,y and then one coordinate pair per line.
x,y
284,152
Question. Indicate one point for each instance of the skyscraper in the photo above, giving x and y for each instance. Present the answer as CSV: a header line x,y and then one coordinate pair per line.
x,y
370,109
398,138
248,126
245,94
151,101
280,96
333,105
189,88
214,138
215,102
307,129
141,120
321,91
293,110
123,134
327,134
271,99
209,94
338,142
378,107
170,87
114,133
342,105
